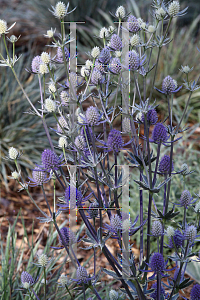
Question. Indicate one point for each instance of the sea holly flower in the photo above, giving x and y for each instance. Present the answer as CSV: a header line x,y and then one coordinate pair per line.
x,y
151,116
61,10
50,33
173,8
186,199
115,65
36,64
133,24
50,160
113,295
168,86
178,239
39,177
82,276
103,33
63,280
27,280
159,134
120,12
157,265
195,292
96,77
13,153
93,210
104,56
157,229
59,55
115,42
164,165
92,116
4,27
190,233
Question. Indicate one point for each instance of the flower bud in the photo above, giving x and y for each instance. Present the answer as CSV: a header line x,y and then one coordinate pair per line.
x,y
103,33
120,12
170,231
95,52
3,26
135,40
13,153
113,295
63,280
151,29
62,142
45,57
43,260
15,175
50,105
43,69
173,8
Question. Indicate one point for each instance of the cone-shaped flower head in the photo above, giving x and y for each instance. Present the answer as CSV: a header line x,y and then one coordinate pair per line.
x,y
62,142
80,142
50,105
133,24
164,166
81,274
185,198
13,153
95,52
135,40
154,294
113,295
96,76
120,12
174,8
59,55
185,169
104,56
115,42
168,85
157,229
26,279
190,233
177,238
73,196
115,65
45,57
3,27
159,134
115,141
39,176
35,65
157,263
50,160
99,66
60,10
132,60
68,237
116,223
195,292
92,115
152,117
43,260
63,280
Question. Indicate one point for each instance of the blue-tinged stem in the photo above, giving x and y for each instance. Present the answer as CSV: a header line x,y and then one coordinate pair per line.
x,y
158,286
141,221
157,161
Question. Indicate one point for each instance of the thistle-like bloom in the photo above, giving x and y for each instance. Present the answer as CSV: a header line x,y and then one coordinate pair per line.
x,y
115,65
3,27
115,141
80,142
113,295
135,40
68,236
174,8
159,134
115,42
43,69
92,115
36,64
185,199
152,117
60,10
168,86
63,280
81,275
45,57
104,56
190,233
50,161
50,33
26,280
95,52
154,294
157,265
39,177
50,105
133,24
120,12
64,96
62,142
103,33
15,175
96,77
59,55
132,60
43,260
178,239
99,66
157,229
151,29
185,169
13,153
195,292
164,166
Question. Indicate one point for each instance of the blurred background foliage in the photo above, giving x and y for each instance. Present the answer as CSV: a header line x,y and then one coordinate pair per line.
x,y
33,18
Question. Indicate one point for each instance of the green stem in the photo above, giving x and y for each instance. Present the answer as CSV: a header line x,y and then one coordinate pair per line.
x,y
45,284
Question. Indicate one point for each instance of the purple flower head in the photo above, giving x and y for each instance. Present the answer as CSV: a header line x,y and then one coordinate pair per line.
x,y
93,210
96,76
164,166
39,177
190,233
154,294
159,134
157,229
104,56
178,240
169,86
99,66
115,65
195,292
115,141
185,199
133,24
81,275
26,280
36,64
152,117
157,263
89,134
68,237
63,123
92,115
50,161
59,55
73,197
132,60
80,142
115,42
